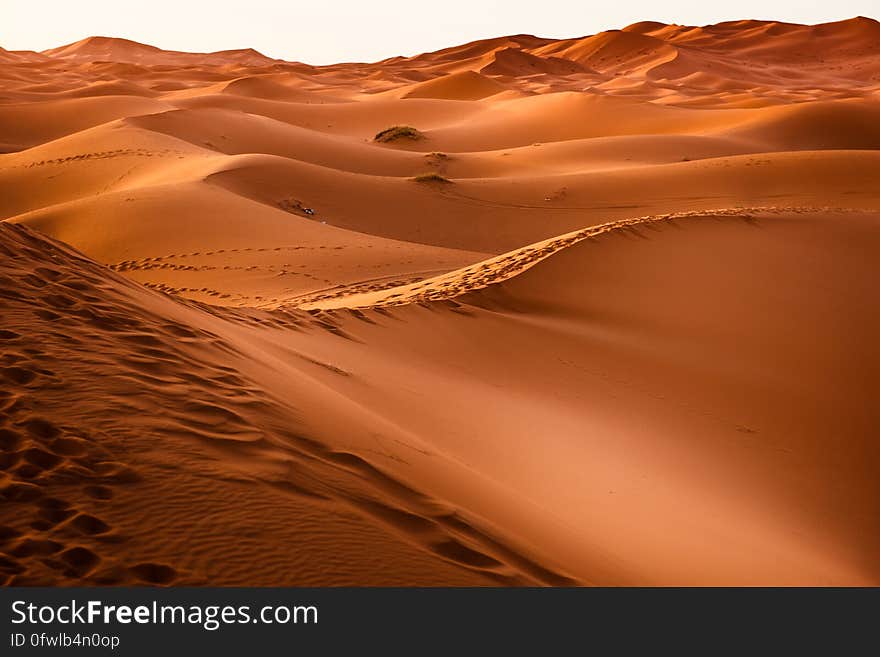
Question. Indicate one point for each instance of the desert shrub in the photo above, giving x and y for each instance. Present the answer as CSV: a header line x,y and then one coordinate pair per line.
x,y
397,132
431,178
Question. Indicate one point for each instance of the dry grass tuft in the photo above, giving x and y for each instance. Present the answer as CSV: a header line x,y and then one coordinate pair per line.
x,y
398,132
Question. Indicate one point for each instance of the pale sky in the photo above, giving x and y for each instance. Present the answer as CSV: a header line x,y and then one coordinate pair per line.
x,y
329,31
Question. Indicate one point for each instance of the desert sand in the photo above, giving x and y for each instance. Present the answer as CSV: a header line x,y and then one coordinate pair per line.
x,y
599,311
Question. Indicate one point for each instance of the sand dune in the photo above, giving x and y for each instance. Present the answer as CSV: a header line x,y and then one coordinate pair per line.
x,y
468,85
124,51
600,310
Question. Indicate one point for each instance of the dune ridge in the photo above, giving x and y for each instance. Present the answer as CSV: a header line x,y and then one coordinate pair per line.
x,y
496,270
609,319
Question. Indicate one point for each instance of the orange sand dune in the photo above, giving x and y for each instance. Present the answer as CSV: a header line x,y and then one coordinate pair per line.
x,y
467,85
105,49
597,310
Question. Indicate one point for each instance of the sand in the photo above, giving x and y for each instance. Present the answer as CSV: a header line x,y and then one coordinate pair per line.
x,y
606,316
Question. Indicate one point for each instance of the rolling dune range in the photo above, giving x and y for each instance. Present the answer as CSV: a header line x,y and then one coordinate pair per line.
x,y
605,315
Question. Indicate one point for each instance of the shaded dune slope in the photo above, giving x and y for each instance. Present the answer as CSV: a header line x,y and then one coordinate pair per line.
x,y
684,357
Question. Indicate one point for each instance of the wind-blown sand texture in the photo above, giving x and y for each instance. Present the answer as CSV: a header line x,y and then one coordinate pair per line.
x,y
601,311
